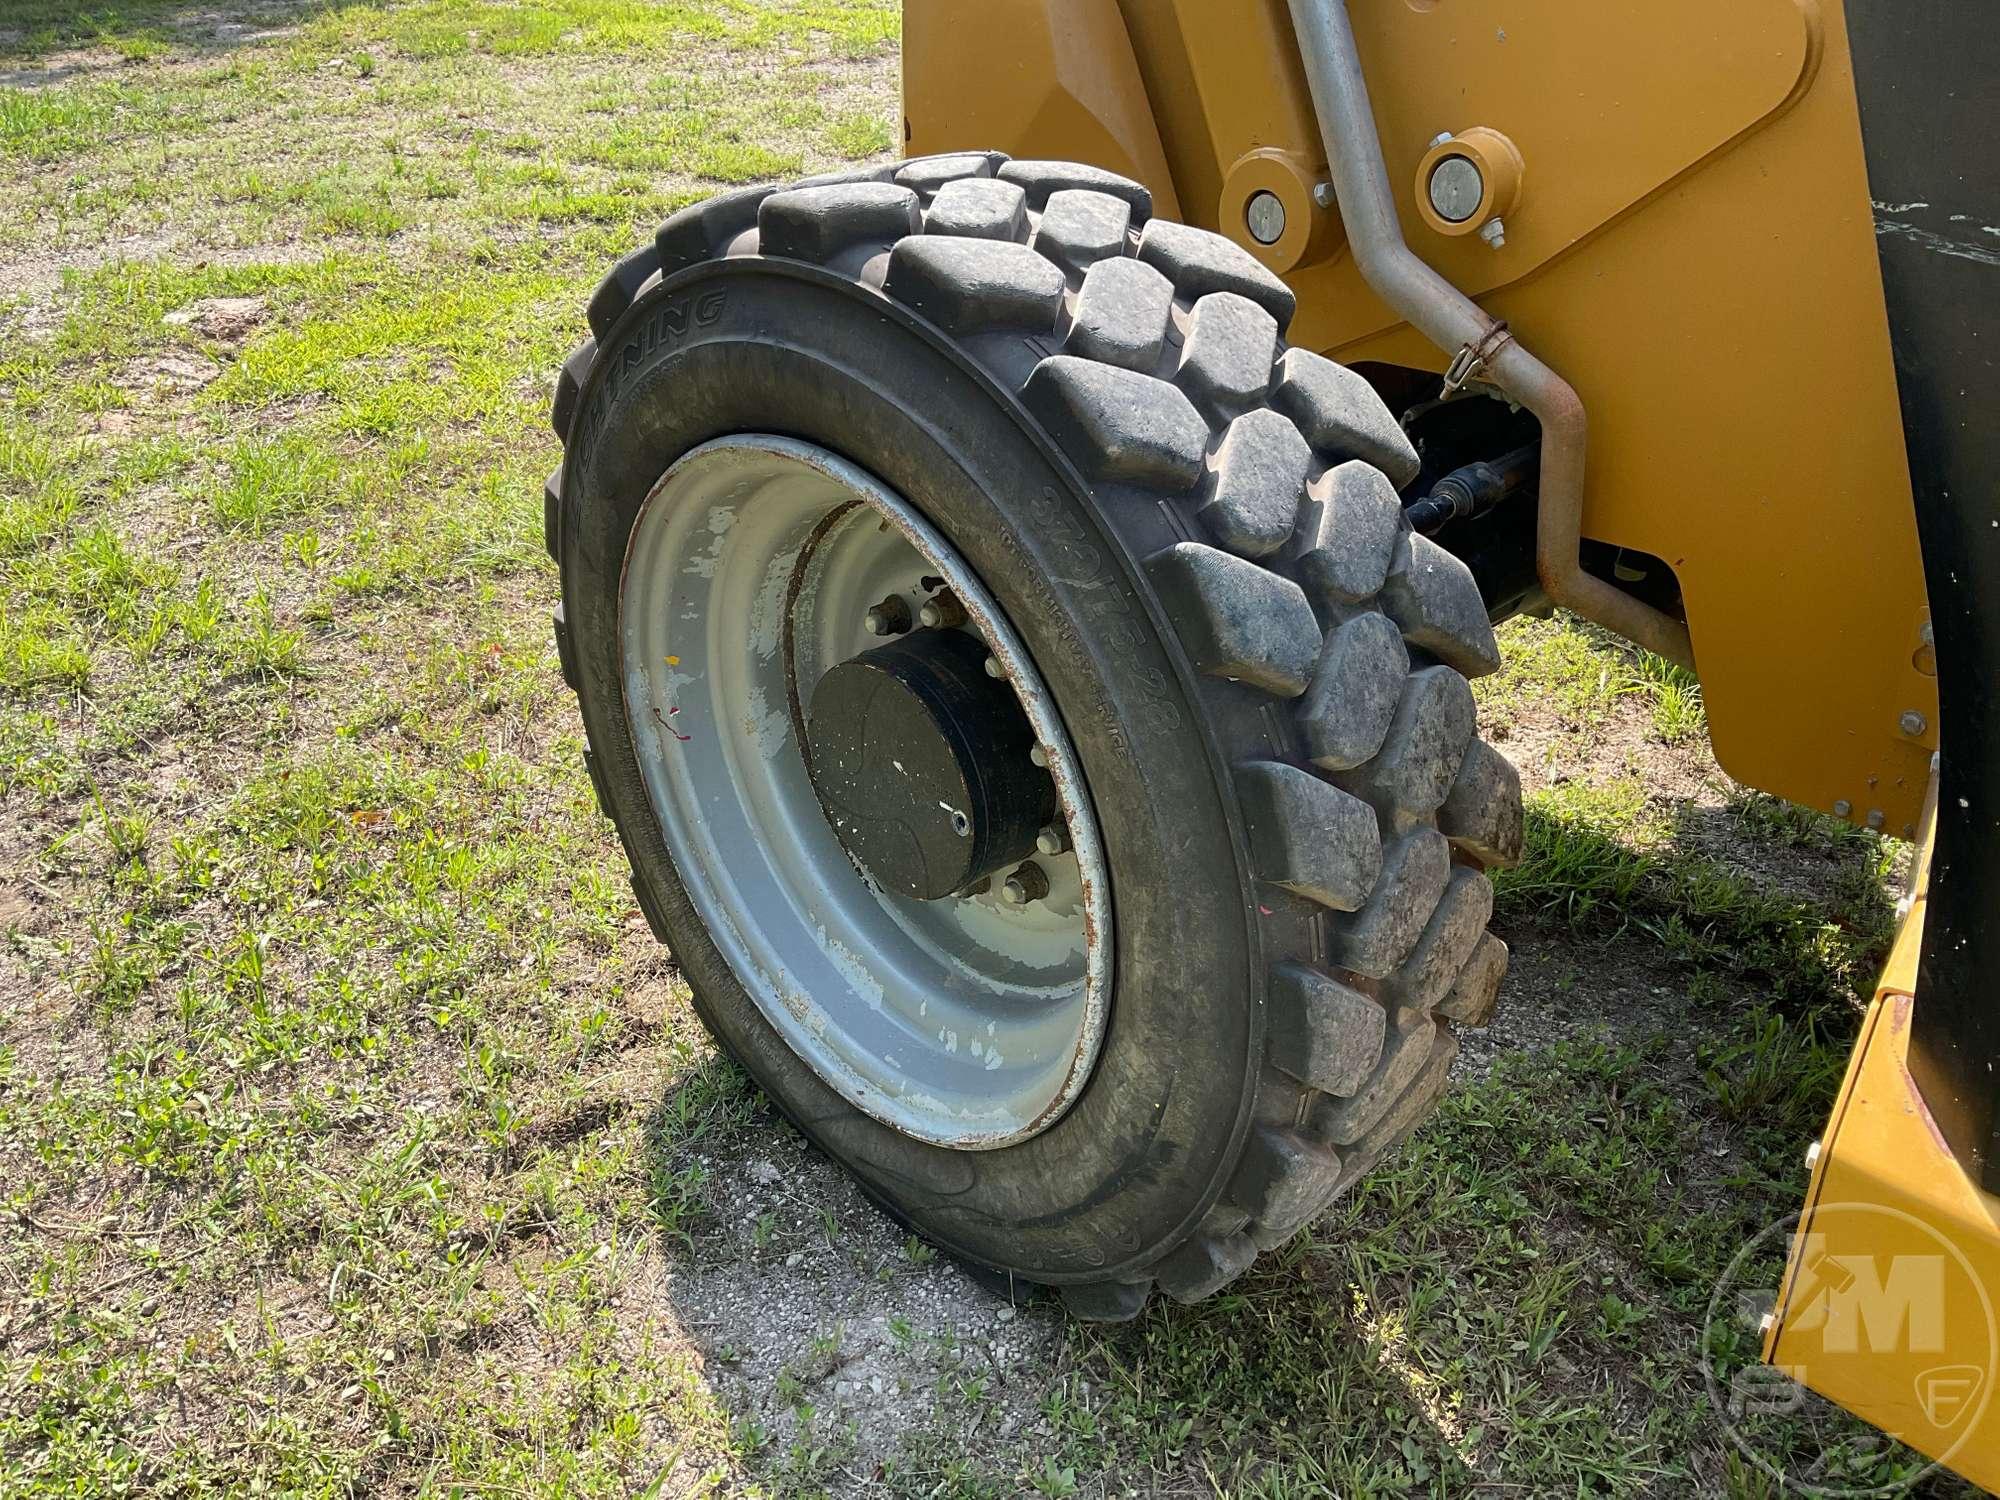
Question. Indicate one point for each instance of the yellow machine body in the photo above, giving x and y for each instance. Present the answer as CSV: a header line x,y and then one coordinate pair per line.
x,y
1688,229
1887,1305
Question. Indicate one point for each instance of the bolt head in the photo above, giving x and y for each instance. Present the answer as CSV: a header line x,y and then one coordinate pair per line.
x,y
1913,722
1324,195
1265,217
876,622
1053,839
1039,756
993,667
1494,232
1843,808
1876,819
930,614
1442,138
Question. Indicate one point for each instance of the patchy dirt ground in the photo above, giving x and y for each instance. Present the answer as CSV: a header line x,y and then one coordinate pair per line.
x,y
355,1135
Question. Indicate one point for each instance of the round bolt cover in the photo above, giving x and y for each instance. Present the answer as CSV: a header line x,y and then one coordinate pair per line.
x,y
1457,189
1265,217
921,763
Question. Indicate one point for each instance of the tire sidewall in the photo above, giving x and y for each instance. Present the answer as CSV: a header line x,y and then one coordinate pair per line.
x,y
1150,1142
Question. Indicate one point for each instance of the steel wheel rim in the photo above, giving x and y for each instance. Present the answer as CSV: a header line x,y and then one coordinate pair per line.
x,y
959,1022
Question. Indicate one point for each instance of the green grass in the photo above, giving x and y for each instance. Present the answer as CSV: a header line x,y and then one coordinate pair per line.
x,y
1584,674
355,1135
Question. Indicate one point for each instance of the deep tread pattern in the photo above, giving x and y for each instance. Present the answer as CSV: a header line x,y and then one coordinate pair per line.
x,y
1454,931
615,293
1226,361
569,385
1256,484
1122,315
1477,987
1205,1265
1425,745
1405,1050
597,783
1402,1116
1241,621
705,230
1118,424
1351,540
1283,1181
927,174
1198,263
1310,838
1415,869
1326,1034
1341,415
565,653
1172,391
1081,227
552,516
968,286
1431,594
1107,1301
1346,712
818,224
1041,178
980,208
1482,813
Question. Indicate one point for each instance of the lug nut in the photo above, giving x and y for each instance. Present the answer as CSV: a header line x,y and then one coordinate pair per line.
x,y
942,611
1053,839
1026,884
890,617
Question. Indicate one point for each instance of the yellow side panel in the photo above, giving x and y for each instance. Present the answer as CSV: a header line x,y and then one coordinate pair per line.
x,y
1694,251
1888,1304
1051,78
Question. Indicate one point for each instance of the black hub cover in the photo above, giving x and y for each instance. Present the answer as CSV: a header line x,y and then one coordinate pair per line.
x,y
921,762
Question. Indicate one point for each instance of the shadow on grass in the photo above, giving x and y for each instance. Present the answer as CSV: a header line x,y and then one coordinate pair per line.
x,y
1711,915
140,28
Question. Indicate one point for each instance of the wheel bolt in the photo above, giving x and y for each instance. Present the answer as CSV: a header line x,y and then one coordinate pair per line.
x,y
1040,757
993,667
890,617
1026,884
942,611
1053,839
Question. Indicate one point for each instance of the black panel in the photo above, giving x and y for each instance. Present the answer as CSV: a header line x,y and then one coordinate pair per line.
x,y
1930,109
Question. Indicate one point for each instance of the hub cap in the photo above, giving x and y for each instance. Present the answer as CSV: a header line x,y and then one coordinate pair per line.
x,y
866,791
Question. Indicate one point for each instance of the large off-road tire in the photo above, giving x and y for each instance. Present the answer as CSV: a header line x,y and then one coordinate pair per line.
x,y
1197,534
